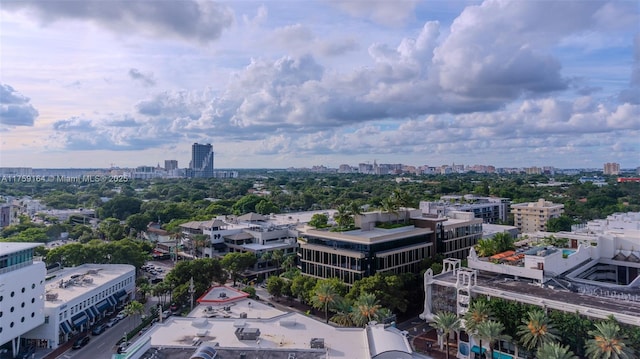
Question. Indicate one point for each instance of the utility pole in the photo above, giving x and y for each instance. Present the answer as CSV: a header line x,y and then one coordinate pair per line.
x,y
191,291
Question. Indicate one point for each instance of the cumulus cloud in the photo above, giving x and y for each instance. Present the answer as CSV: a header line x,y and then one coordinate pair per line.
x,y
15,109
200,21
146,80
487,83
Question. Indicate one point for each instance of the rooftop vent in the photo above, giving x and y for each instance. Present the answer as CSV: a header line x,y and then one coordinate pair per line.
x,y
51,296
247,333
317,343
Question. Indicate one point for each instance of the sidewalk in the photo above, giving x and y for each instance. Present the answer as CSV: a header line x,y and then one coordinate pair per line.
x,y
427,343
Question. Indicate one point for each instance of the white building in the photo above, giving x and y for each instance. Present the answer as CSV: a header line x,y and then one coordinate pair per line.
x,y
21,292
228,325
596,274
77,297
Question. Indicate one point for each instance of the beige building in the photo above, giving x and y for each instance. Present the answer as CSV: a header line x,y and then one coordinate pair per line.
x,y
532,217
611,168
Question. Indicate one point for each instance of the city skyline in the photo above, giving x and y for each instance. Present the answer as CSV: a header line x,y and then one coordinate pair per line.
x,y
285,84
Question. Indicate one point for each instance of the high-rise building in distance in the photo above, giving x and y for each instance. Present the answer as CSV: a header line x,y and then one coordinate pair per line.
x,y
170,165
611,168
201,165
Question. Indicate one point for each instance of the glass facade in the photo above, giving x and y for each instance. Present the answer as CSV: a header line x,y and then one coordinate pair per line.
x,y
351,261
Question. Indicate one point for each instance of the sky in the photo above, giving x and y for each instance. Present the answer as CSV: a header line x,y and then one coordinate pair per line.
x,y
283,83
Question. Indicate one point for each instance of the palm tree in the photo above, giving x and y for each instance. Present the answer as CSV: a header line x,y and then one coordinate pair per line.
x,y
491,331
324,296
486,247
447,323
504,241
144,289
478,312
608,342
365,309
536,330
134,308
390,206
344,314
342,216
553,350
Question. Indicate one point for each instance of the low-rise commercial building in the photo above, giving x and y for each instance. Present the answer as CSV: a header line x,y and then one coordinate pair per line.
x,y
77,297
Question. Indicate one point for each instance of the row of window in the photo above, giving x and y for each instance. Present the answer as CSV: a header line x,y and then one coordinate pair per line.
x,y
13,293
402,258
12,324
322,271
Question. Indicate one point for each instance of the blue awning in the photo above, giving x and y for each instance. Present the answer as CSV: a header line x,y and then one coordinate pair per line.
x,y
102,306
121,295
476,349
66,327
79,319
112,301
94,310
90,313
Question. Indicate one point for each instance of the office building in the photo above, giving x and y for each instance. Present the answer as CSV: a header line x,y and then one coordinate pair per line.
x,y
170,165
532,217
611,169
22,292
489,209
201,165
455,234
359,253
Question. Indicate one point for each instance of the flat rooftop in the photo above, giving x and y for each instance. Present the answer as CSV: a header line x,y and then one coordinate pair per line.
x,y
12,247
80,280
522,291
235,309
374,235
288,331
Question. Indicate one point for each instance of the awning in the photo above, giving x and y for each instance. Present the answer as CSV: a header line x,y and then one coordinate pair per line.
x,y
121,295
79,319
102,306
65,327
94,310
90,313
476,349
112,301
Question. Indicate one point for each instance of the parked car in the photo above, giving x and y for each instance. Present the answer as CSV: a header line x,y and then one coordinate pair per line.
x,y
80,342
166,314
111,322
121,315
97,330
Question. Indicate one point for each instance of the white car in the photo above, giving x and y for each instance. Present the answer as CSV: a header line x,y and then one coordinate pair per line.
x,y
111,322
